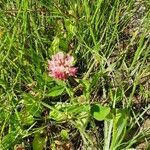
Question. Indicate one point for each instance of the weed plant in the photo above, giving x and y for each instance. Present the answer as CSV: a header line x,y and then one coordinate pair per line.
x,y
106,106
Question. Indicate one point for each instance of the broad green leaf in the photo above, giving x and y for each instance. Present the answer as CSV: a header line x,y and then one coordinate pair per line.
x,y
63,111
76,109
8,139
82,120
57,115
69,91
56,91
55,44
99,112
64,134
38,142
71,28
26,118
31,104
63,44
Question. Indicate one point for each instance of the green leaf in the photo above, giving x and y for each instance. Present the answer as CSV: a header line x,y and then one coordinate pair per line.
x,y
63,44
119,127
56,91
26,118
76,109
38,142
71,28
99,112
32,104
64,134
61,112
57,115
55,44
9,139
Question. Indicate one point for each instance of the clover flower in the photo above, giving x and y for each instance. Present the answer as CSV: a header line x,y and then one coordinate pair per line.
x,y
61,66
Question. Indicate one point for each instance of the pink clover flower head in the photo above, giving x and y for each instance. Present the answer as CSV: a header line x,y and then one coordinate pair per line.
x,y
61,66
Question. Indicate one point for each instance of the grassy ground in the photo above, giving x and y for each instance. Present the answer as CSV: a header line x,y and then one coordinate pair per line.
x,y
106,106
